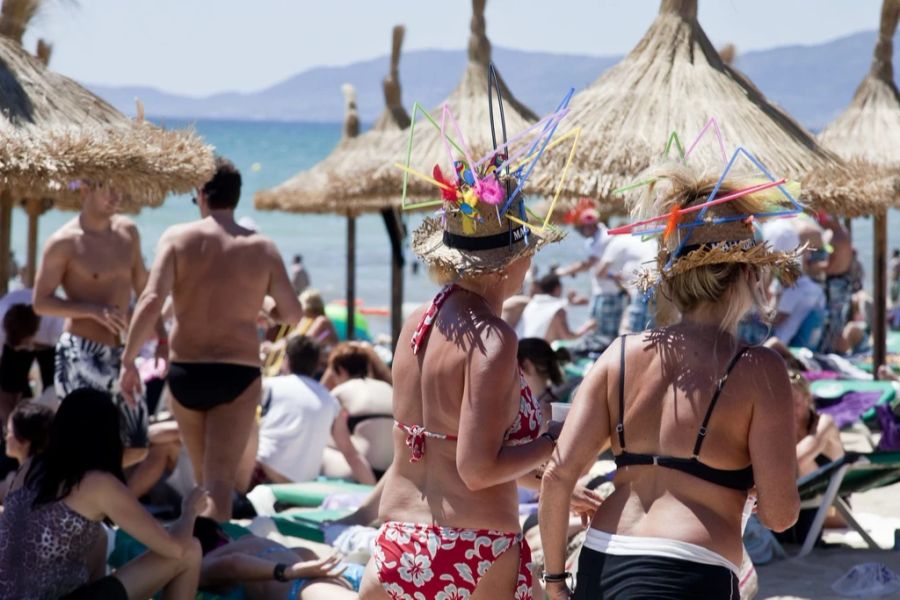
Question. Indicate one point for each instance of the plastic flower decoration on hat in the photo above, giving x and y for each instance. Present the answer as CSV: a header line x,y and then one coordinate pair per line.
x,y
488,187
779,196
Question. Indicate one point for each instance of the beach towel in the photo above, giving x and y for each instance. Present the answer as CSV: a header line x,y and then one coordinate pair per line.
x,y
890,428
848,409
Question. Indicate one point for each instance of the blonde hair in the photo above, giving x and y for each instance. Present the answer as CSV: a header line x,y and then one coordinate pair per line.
x,y
311,300
675,186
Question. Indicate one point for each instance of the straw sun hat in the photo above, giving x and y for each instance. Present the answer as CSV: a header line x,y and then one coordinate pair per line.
x,y
703,220
483,224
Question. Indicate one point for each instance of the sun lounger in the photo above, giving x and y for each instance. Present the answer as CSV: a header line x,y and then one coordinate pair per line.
x,y
312,493
307,524
852,474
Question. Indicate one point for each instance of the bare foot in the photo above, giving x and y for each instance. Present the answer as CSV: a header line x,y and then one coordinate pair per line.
x,y
885,373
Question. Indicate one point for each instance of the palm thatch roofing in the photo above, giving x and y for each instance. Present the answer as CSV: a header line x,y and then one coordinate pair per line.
x,y
867,133
318,190
55,131
674,81
365,179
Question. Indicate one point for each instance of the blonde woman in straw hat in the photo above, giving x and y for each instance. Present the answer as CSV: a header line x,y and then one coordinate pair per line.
x,y
696,422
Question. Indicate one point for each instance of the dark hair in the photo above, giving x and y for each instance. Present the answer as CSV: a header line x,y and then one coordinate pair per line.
x,y
302,355
548,283
224,189
84,436
20,322
298,258
31,423
351,358
543,357
210,534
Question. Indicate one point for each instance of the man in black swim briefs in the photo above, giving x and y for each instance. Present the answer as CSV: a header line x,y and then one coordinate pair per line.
x,y
219,274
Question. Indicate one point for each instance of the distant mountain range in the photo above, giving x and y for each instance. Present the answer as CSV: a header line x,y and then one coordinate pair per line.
x,y
814,83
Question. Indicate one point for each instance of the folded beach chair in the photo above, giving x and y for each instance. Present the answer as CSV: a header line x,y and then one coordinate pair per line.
x,y
853,474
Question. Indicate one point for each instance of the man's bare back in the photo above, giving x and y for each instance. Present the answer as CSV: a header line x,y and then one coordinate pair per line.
x,y
222,274
98,271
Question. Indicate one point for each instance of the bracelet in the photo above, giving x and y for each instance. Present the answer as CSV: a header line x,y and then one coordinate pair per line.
x,y
547,435
556,577
278,573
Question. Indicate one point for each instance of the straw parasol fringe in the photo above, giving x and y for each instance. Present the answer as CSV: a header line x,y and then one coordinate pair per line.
x,y
56,131
674,80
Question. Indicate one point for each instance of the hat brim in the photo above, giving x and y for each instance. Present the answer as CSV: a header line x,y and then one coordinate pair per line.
x,y
760,255
428,244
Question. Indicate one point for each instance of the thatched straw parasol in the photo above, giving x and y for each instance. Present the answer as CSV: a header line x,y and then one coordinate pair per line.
x,y
318,190
674,80
56,132
867,135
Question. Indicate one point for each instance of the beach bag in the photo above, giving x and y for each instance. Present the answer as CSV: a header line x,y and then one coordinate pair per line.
x,y
867,580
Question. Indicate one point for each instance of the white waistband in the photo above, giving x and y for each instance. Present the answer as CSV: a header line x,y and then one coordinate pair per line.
x,y
630,545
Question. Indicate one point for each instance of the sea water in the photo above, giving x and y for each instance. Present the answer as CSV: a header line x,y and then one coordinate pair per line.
x,y
270,153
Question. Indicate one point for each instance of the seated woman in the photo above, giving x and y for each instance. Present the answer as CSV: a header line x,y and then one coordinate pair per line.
x,y
315,324
818,443
266,569
27,430
52,519
363,431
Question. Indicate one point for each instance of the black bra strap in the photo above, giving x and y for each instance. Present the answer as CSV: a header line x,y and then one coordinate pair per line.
x,y
701,435
620,426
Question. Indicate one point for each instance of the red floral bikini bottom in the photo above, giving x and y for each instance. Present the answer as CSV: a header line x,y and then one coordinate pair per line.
x,y
427,562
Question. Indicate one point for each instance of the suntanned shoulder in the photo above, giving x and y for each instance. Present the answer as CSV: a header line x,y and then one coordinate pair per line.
x,y
498,340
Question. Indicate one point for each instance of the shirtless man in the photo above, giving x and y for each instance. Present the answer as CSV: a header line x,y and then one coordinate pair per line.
x,y
219,275
96,258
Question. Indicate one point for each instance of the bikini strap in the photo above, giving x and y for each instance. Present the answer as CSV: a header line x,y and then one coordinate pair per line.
x,y
620,426
424,326
701,435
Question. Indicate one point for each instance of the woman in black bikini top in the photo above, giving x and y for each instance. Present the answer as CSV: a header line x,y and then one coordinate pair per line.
x,y
693,418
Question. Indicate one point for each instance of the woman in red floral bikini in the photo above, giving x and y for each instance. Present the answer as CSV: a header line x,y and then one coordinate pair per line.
x,y
467,426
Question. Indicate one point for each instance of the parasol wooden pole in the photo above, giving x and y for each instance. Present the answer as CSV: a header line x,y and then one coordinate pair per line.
x,y
879,254
394,225
5,235
351,276
33,208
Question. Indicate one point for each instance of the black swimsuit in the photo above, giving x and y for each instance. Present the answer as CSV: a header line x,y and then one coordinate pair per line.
x,y
736,479
203,386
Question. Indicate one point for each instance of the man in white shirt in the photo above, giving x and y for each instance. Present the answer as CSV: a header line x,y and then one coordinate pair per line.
x,y
24,337
545,315
624,257
298,413
608,299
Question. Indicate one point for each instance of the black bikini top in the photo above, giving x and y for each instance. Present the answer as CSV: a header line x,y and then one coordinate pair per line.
x,y
736,479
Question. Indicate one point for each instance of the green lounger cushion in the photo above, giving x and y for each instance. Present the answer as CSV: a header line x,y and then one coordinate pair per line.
x,y
868,471
313,493
306,524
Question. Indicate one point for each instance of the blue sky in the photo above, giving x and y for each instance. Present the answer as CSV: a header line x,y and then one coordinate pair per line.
x,y
197,47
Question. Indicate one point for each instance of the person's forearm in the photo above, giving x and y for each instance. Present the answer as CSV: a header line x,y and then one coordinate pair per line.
x,y
183,528
511,463
553,520
54,306
359,466
146,317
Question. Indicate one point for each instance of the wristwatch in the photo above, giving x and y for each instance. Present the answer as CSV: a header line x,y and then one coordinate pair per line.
x,y
278,573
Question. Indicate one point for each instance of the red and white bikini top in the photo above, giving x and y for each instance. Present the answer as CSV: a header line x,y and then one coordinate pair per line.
x,y
527,424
